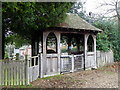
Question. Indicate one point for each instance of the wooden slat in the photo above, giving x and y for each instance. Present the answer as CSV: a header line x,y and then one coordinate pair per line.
x,y
12,73
104,58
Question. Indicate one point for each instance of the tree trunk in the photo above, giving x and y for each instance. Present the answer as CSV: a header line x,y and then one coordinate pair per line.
x,y
69,44
2,45
35,44
78,44
119,36
1,36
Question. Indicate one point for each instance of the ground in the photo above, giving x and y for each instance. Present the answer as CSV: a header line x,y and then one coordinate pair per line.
x,y
104,77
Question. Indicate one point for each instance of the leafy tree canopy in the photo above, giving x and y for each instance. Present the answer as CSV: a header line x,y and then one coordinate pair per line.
x,y
16,40
25,18
108,39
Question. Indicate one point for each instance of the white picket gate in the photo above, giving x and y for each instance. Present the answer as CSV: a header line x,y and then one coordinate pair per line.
x,y
33,69
19,72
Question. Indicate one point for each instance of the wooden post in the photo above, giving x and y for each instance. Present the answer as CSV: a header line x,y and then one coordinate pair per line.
x,y
94,38
58,49
40,66
44,58
0,72
82,61
72,63
85,49
26,71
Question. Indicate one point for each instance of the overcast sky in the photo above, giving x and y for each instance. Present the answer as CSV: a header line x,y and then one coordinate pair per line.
x,y
91,6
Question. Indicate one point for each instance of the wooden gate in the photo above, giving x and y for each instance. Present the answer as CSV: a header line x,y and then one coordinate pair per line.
x,y
51,67
90,61
33,68
71,63
66,63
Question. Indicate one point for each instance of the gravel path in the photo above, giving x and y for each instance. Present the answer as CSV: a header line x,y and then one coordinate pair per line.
x,y
105,77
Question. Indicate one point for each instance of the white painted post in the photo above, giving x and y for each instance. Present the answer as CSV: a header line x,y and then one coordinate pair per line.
x,y
44,58
41,66
72,63
95,63
82,57
85,50
58,49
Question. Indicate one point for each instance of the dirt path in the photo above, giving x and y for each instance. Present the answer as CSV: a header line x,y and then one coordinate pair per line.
x,y
105,77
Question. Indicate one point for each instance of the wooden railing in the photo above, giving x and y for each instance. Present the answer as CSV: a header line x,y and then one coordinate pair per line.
x,y
71,63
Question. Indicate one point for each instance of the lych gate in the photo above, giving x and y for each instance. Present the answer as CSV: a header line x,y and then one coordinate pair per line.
x,y
68,47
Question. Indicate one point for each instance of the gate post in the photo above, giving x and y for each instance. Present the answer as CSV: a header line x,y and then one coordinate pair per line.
x,y
40,66
72,63
26,71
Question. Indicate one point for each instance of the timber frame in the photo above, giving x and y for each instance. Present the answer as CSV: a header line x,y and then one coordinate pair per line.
x,y
56,63
87,55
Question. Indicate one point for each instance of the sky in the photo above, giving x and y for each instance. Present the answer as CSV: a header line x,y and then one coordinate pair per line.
x,y
92,6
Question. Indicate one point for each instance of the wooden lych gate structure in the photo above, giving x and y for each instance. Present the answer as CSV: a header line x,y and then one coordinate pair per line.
x,y
68,47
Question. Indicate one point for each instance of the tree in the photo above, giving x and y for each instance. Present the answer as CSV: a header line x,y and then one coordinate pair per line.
x,y
116,8
16,40
28,19
78,7
108,38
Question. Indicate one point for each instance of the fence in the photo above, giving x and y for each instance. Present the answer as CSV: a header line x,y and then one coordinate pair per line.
x,y
21,72
13,73
104,58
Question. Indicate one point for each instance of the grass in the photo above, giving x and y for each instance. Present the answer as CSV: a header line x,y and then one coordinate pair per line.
x,y
46,78
107,69
21,86
30,86
109,72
